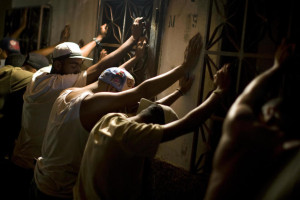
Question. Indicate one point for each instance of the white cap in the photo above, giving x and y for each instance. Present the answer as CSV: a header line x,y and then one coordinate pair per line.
x,y
169,113
68,50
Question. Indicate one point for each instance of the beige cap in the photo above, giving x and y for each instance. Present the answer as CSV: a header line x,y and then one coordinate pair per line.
x,y
170,114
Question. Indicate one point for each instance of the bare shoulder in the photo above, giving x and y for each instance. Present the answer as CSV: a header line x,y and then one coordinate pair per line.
x,y
74,92
239,116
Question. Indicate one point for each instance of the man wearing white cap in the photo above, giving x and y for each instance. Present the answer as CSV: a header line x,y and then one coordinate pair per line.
x,y
77,110
45,87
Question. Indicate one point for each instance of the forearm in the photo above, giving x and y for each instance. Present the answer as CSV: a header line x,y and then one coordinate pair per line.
x,y
116,56
193,119
129,64
153,86
86,49
45,51
171,98
109,61
17,33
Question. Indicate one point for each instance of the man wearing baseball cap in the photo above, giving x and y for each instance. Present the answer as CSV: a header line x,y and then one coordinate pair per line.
x,y
113,161
8,46
46,86
14,77
77,110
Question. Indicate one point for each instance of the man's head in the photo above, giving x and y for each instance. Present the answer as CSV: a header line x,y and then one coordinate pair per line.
x,y
35,61
15,59
282,113
151,112
67,59
118,79
32,62
272,111
9,46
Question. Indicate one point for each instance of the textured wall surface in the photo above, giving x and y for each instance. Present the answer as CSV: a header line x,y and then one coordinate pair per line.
x,y
184,18
81,15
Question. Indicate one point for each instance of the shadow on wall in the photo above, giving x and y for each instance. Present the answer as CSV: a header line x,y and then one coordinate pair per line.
x,y
164,181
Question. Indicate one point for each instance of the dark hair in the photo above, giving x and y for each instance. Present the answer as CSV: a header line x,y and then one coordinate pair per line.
x,y
15,59
153,114
36,60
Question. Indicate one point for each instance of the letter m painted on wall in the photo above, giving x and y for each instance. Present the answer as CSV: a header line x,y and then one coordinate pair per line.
x,y
172,21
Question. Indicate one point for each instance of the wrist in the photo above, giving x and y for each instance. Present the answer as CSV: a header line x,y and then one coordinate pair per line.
x,y
135,38
277,67
98,41
180,91
100,37
185,67
219,92
137,57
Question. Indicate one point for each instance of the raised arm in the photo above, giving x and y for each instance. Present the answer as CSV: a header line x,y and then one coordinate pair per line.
x,y
114,57
155,85
247,143
201,113
185,83
254,93
95,106
129,64
139,53
102,54
64,37
21,28
86,49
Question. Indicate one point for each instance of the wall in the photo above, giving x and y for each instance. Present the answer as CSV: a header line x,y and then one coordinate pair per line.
x,y
184,18
81,15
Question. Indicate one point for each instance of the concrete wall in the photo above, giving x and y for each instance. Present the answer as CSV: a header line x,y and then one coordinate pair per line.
x,y
80,14
184,18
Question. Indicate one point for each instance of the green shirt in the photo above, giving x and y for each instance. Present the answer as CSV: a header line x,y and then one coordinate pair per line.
x,y
12,79
13,82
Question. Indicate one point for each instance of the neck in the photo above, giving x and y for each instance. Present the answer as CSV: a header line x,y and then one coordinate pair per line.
x,y
136,118
98,86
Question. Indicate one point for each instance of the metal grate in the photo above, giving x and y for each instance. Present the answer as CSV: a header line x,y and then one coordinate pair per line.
x,y
119,16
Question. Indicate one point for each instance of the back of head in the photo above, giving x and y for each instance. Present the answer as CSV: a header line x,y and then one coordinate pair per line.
x,y
36,61
283,113
119,78
152,112
10,45
15,59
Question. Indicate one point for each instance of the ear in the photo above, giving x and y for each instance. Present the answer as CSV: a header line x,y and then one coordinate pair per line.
x,y
29,68
56,66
